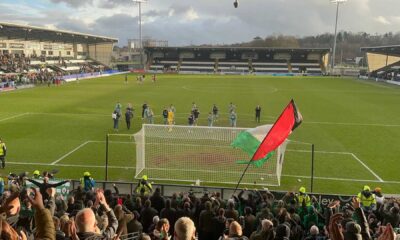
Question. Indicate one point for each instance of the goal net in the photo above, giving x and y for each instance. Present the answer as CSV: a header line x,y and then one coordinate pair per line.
x,y
199,154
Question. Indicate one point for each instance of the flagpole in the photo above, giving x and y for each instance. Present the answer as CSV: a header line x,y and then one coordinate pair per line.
x,y
241,177
251,160
312,167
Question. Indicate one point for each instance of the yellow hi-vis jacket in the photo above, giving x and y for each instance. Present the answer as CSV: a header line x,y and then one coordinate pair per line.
x,y
366,201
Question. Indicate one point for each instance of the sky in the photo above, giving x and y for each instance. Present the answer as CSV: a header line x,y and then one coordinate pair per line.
x,y
186,22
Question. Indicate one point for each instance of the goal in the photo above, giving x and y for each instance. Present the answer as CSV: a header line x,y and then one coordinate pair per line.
x,y
199,154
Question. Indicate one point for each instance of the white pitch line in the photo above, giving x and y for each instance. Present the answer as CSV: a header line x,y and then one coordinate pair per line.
x,y
69,153
332,178
327,152
344,153
355,124
369,169
80,146
15,116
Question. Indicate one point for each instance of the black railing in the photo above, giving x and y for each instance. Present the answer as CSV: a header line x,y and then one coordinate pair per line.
x,y
169,189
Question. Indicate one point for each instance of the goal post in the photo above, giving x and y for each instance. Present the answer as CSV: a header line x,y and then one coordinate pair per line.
x,y
199,154
120,157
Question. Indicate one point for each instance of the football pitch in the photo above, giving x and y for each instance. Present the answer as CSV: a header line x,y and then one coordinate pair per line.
x,y
354,125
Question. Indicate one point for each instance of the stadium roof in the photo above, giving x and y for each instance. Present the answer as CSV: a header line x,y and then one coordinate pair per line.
x,y
31,33
324,50
393,50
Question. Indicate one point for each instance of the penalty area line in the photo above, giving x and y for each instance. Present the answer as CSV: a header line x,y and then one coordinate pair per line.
x,y
15,116
79,147
69,153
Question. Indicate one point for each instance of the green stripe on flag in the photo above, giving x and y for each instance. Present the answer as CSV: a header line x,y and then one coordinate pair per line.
x,y
247,142
258,163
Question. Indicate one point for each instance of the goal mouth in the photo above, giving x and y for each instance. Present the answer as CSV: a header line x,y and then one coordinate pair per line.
x,y
199,155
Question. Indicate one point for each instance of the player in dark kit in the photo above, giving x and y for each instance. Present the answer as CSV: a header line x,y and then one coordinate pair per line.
x,y
128,117
144,107
258,113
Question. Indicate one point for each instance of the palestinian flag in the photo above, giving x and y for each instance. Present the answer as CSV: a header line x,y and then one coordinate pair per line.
x,y
249,141
260,142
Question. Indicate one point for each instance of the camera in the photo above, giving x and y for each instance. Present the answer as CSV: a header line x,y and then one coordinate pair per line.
x,y
236,3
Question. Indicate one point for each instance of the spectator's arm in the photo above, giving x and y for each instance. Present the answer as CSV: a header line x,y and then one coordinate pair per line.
x,y
58,184
111,229
44,222
361,217
334,227
126,209
235,198
51,205
240,196
116,189
35,182
259,196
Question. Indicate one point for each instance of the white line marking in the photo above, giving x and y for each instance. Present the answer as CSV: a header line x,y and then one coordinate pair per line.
x,y
69,153
327,152
331,178
15,116
355,124
369,169
80,146
344,153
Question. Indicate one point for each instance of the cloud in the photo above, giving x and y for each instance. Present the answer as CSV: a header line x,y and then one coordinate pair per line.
x,y
114,3
206,21
74,3
191,15
382,20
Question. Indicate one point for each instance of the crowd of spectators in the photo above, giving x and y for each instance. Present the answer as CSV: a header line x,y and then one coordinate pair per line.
x,y
16,69
90,213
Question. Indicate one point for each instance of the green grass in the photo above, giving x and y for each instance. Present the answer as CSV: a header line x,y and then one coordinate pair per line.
x,y
345,119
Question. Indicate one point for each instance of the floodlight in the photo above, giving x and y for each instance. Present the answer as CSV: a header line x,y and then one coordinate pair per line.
x,y
139,3
337,2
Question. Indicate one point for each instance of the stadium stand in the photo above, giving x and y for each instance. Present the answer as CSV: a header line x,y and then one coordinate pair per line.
x,y
34,54
383,62
104,213
237,60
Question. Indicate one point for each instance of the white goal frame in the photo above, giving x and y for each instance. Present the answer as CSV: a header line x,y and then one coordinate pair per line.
x,y
199,154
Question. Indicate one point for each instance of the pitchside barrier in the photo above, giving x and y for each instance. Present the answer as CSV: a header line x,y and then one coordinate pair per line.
x,y
226,193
